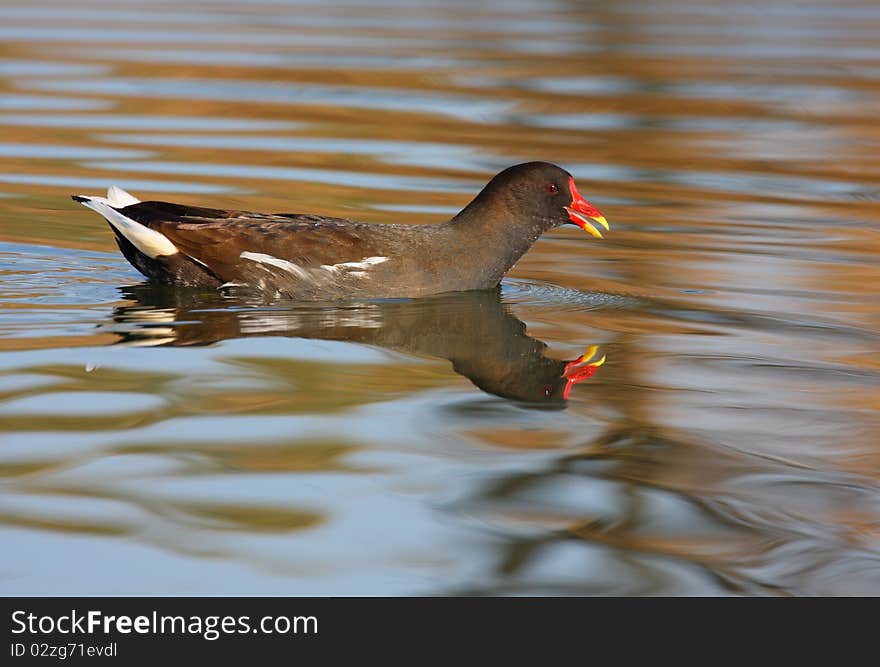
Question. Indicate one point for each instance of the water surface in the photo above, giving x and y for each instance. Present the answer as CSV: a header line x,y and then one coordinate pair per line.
x,y
161,441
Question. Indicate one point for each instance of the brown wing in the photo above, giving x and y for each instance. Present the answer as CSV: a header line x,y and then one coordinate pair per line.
x,y
216,238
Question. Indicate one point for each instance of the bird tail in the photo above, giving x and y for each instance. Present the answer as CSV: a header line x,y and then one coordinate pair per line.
x,y
112,207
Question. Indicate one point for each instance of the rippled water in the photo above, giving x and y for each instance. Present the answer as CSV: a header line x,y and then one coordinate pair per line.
x,y
167,441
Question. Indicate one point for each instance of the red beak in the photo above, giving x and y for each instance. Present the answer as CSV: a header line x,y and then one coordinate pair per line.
x,y
581,369
583,213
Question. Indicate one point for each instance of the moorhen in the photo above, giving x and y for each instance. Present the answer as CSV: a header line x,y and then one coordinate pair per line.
x,y
304,256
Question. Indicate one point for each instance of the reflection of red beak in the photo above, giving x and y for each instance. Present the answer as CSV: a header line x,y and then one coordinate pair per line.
x,y
581,212
581,369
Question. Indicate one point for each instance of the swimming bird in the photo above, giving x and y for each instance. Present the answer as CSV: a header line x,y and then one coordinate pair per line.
x,y
312,257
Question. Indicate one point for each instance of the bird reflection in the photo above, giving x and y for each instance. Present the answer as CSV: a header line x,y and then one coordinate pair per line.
x,y
475,331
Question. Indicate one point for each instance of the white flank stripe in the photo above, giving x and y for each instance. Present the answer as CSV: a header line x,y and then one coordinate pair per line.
x,y
282,264
198,261
148,241
350,269
356,267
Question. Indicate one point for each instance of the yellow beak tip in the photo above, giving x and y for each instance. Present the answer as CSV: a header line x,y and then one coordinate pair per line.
x,y
592,231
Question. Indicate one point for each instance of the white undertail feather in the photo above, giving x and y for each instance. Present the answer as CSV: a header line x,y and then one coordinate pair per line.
x,y
148,241
120,198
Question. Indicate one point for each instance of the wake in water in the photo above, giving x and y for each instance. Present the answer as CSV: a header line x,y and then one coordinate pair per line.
x,y
532,293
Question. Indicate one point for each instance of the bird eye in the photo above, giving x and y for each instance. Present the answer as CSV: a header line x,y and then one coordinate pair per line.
x,y
552,189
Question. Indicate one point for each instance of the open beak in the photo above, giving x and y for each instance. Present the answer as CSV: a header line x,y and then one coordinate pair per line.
x,y
583,214
581,368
